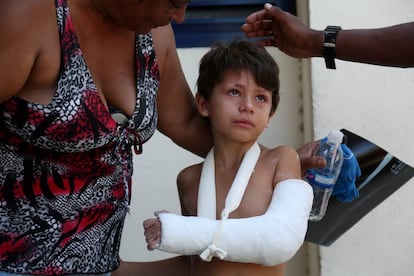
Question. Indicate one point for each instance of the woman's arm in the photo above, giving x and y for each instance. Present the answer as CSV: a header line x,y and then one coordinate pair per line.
x,y
19,45
179,118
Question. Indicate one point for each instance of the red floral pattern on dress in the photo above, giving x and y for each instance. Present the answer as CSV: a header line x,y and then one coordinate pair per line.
x,y
66,167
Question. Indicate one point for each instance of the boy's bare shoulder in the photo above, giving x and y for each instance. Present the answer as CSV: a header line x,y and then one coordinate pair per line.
x,y
279,152
189,177
284,161
187,185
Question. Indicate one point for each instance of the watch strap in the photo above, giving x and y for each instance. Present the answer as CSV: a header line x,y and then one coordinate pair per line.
x,y
329,45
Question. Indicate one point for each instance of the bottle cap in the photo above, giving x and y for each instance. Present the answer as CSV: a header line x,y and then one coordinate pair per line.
x,y
335,136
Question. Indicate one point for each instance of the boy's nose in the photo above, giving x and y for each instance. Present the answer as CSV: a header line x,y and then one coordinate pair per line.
x,y
246,104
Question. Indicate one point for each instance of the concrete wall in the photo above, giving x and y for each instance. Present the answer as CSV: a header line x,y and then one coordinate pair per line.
x,y
377,103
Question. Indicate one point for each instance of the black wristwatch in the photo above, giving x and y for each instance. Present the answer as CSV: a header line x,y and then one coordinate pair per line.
x,y
329,46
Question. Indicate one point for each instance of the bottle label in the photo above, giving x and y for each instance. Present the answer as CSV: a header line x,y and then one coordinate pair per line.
x,y
320,180
324,180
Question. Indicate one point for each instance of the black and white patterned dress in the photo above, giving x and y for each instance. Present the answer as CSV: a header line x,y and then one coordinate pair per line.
x,y
66,167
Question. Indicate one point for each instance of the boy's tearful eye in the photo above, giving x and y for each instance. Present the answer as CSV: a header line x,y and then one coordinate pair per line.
x,y
234,92
261,98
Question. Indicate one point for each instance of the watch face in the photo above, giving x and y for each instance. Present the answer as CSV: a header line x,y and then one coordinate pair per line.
x,y
333,28
330,34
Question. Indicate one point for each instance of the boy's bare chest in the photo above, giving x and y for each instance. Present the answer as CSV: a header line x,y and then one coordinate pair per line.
x,y
224,268
255,200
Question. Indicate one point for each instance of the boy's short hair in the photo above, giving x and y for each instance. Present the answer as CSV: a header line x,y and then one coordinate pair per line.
x,y
239,56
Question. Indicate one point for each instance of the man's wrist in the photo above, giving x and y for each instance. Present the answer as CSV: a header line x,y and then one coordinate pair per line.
x,y
317,44
329,45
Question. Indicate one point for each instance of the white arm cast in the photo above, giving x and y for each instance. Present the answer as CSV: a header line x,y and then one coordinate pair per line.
x,y
270,239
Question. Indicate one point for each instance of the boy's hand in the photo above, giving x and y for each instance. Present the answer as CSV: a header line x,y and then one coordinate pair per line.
x,y
152,231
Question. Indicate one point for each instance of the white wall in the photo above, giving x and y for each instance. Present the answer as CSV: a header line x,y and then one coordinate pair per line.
x,y
377,103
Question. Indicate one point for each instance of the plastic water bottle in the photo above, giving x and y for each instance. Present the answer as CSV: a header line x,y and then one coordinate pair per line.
x,y
324,179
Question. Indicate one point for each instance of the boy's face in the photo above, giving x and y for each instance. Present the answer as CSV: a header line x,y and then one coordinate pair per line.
x,y
238,108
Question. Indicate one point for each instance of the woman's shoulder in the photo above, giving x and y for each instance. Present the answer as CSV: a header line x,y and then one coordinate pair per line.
x,y
164,40
25,12
28,34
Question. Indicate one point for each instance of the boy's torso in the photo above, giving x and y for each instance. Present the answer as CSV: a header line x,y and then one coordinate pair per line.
x,y
222,268
255,202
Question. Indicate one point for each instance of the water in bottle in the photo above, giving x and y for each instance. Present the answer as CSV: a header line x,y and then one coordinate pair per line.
x,y
324,179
